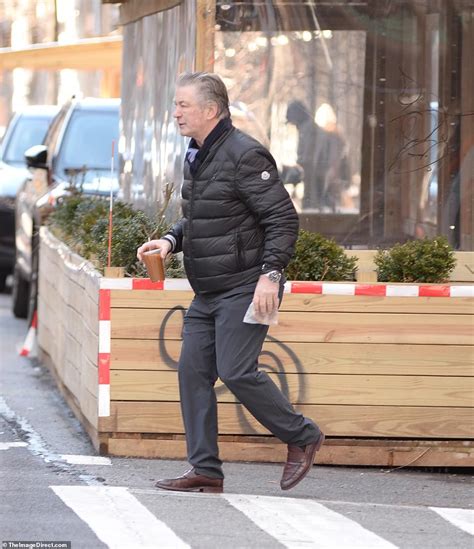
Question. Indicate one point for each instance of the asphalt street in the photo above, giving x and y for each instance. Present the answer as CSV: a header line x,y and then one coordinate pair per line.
x,y
54,487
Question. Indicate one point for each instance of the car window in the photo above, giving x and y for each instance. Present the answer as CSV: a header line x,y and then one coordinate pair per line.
x,y
88,141
26,133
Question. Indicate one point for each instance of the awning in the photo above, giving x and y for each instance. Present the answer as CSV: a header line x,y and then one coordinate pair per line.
x,y
86,54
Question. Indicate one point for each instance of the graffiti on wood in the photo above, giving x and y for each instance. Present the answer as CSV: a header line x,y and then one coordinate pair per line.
x,y
269,361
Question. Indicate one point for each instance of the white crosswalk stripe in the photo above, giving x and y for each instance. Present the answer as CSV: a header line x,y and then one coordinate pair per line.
x,y
461,518
85,460
121,521
299,524
8,445
118,518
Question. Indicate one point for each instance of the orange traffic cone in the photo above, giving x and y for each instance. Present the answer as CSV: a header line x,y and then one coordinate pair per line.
x,y
30,340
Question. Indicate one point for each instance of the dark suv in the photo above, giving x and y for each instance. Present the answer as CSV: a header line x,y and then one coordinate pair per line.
x,y
76,151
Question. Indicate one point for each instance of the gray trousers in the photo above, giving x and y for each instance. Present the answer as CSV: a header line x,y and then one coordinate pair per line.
x,y
216,343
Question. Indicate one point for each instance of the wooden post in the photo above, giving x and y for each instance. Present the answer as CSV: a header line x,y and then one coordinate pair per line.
x,y
206,18
114,272
467,132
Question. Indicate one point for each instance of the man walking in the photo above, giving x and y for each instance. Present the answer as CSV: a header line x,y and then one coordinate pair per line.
x,y
237,234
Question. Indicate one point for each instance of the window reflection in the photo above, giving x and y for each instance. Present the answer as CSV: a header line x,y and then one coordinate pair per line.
x,y
301,94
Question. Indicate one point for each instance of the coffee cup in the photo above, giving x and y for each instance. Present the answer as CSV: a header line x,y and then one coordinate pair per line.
x,y
154,265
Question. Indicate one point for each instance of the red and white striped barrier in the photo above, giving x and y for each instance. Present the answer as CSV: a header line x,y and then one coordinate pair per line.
x,y
103,358
30,340
382,290
323,288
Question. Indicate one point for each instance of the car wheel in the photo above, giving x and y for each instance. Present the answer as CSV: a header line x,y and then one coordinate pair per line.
x,y
3,281
20,295
33,290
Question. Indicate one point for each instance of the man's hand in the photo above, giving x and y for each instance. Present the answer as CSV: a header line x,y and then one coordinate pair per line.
x,y
265,297
163,245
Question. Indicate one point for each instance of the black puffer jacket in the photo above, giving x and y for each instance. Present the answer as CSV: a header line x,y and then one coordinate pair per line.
x,y
236,216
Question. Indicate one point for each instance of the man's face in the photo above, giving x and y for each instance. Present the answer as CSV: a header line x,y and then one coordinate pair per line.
x,y
193,117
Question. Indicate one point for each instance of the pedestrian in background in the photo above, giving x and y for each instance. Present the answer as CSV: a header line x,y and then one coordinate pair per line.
x,y
312,145
322,155
237,234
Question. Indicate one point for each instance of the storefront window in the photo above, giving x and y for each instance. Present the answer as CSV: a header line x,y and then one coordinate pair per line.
x,y
366,107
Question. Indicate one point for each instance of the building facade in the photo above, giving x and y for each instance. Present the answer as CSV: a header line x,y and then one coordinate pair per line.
x,y
34,23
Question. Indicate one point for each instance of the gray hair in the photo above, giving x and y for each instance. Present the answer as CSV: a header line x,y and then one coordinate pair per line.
x,y
210,88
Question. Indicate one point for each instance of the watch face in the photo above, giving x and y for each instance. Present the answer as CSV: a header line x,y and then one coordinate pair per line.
x,y
274,276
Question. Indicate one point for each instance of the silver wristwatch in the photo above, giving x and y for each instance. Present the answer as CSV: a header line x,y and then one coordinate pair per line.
x,y
273,276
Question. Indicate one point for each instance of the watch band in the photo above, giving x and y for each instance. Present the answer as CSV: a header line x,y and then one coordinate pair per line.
x,y
266,268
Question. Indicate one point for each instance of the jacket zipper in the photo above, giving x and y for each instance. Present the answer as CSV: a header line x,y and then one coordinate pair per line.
x,y
190,231
191,205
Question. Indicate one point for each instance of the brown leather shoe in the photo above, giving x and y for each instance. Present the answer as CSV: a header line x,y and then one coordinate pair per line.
x,y
192,482
299,462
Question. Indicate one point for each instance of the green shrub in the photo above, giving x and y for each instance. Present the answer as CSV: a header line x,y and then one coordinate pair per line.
x,y
428,260
62,218
320,258
83,223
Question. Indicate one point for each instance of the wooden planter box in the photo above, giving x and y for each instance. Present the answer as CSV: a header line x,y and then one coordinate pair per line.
x,y
388,378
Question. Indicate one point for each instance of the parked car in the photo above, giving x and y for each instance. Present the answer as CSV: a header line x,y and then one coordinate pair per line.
x,y
76,152
26,128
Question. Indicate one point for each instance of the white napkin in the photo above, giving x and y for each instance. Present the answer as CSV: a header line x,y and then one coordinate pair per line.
x,y
251,317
